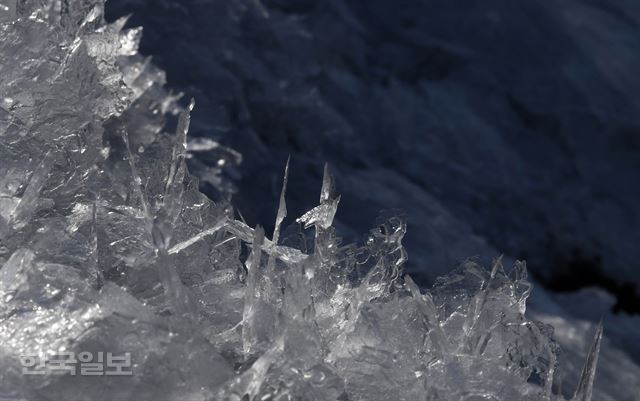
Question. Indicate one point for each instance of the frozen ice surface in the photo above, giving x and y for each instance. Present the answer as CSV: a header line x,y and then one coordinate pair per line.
x,y
108,246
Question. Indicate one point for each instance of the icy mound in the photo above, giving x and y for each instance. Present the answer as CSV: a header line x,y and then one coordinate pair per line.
x,y
108,246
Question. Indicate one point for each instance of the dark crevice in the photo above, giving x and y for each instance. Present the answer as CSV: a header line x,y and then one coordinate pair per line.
x,y
578,270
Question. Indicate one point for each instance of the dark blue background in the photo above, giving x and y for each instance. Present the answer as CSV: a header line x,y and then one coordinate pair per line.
x,y
498,126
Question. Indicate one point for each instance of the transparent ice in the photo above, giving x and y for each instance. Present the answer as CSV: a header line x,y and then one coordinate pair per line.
x,y
106,244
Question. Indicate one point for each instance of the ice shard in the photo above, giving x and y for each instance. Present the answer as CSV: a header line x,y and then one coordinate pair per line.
x,y
585,386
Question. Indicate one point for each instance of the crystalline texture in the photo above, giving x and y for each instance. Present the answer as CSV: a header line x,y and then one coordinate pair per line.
x,y
106,245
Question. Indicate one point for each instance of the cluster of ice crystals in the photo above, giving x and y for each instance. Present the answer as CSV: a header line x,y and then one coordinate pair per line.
x,y
106,245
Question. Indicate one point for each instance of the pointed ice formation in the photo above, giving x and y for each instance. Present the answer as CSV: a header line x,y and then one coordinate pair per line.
x,y
585,386
322,215
282,206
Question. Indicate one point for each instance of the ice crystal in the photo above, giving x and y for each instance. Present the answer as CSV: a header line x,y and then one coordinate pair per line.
x,y
107,245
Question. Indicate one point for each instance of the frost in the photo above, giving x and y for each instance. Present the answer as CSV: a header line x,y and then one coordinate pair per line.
x,y
108,246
